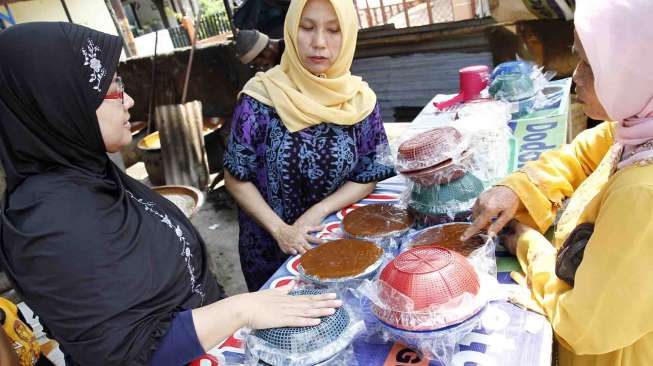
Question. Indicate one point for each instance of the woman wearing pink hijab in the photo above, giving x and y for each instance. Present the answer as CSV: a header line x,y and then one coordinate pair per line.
x,y
594,281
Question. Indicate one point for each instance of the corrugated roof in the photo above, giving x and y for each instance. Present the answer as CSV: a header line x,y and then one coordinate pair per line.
x,y
412,80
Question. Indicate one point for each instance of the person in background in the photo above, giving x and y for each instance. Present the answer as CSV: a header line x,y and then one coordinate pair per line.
x,y
306,140
267,16
257,50
594,282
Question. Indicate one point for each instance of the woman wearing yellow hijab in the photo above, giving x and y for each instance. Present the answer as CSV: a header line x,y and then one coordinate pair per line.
x,y
305,139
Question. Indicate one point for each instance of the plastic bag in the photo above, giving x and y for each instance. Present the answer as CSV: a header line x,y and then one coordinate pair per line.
x,y
395,219
521,83
479,250
485,125
430,149
457,317
322,344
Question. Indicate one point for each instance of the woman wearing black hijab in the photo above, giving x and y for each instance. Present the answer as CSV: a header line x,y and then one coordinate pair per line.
x,y
116,273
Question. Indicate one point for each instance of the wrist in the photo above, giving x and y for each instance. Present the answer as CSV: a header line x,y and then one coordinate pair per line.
x,y
275,228
243,313
321,209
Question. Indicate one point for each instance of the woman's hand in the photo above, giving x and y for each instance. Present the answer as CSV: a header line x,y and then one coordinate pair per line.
x,y
259,310
312,218
499,203
295,240
275,308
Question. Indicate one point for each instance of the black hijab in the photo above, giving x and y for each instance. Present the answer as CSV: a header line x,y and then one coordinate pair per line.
x,y
104,261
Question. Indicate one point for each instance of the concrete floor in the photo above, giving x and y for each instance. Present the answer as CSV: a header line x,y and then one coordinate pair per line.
x,y
217,222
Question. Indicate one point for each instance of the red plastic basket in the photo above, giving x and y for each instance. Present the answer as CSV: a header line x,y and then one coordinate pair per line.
x,y
428,149
429,276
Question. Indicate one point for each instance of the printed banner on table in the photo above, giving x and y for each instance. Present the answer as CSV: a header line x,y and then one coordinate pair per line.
x,y
544,129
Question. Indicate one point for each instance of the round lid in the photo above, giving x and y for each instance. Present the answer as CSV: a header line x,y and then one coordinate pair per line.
x,y
429,148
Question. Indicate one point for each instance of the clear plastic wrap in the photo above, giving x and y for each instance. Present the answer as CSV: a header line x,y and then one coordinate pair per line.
x,y
323,344
536,74
390,242
448,202
345,281
486,126
425,288
437,345
457,318
521,84
398,310
428,149
382,224
479,250
512,87
445,172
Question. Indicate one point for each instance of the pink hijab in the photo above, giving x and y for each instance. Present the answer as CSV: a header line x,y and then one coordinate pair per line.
x,y
617,36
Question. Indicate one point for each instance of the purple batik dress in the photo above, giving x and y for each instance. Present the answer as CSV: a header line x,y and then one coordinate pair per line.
x,y
295,170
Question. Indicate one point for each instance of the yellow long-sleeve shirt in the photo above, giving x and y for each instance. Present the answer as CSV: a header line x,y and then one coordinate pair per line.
x,y
607,317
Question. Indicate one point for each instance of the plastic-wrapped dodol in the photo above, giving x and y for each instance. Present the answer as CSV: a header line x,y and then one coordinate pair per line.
x,y
447,236
485,124
323,344
382,224
479,249
341,262
427,298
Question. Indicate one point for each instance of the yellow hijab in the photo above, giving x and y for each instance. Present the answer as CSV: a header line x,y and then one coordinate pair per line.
x,y
302,99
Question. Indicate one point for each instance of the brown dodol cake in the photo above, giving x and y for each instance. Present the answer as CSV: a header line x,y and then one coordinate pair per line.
x,y
340,258
377,220
448,236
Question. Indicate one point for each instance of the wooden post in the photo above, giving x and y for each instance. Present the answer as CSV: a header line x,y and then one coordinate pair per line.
x,y
182,144
65,8
385,20
406,13
429,9
369,15
358,14
230,15
122,24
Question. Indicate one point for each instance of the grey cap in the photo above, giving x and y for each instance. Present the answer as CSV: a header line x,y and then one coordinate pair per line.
x,y
249,44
